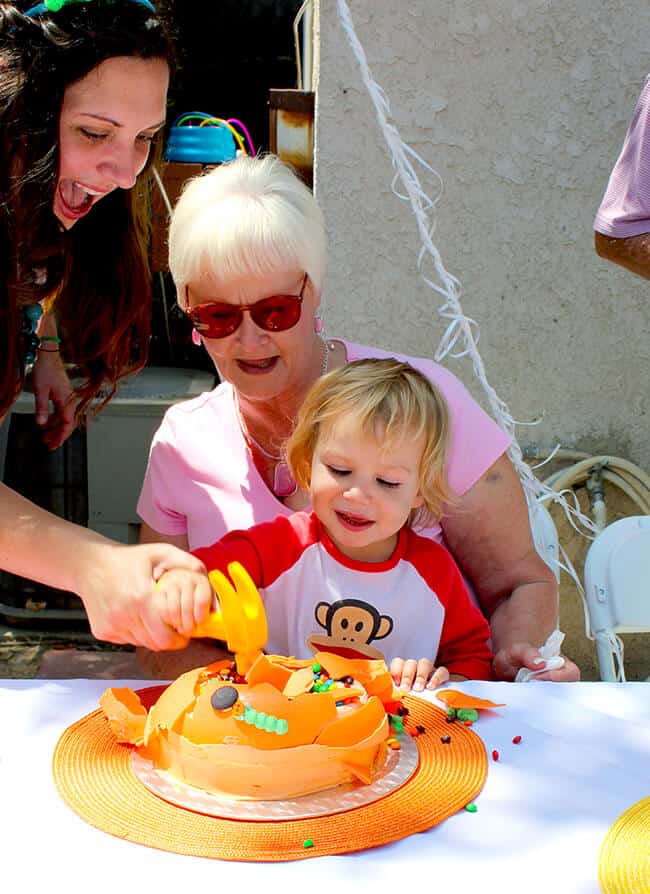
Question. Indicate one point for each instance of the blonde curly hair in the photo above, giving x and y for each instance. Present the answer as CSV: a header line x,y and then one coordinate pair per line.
x,y
398,398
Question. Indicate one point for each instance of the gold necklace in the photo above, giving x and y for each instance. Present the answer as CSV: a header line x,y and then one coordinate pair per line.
x,y
284,484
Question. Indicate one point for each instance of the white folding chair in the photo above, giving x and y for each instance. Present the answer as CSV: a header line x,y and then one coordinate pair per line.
x,y
617,589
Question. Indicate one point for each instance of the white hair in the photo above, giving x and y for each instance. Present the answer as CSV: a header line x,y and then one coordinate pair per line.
x,y
251,215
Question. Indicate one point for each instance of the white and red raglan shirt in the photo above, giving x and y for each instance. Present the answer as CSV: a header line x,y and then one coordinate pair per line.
x,y
413,605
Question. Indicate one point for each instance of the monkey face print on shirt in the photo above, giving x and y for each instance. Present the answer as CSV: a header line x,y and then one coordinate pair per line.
x,y
350,625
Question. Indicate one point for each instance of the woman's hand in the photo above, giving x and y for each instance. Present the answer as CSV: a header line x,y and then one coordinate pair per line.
x,y
117,586
417,675
51,383
508,661
115,582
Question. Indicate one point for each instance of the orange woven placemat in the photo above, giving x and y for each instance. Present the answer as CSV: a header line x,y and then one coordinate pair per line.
x,y
624,864
93,775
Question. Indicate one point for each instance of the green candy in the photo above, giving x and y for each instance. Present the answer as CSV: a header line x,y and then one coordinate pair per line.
x,y
467,714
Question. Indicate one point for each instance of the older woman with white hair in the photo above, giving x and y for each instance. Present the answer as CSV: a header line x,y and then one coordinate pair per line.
x,y
247,253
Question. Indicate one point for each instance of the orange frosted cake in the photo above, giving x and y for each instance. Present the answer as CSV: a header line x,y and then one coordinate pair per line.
x,y
285,728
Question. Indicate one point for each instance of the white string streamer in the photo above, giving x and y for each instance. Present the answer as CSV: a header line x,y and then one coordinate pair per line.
x,y
460,338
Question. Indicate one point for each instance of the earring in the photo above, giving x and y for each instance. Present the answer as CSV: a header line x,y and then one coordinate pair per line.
x,y
196,338
318,324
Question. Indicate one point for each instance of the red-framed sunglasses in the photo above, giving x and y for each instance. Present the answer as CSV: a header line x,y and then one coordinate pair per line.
x,y
217,319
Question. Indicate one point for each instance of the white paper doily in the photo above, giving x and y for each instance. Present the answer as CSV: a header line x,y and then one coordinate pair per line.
x,y
400,766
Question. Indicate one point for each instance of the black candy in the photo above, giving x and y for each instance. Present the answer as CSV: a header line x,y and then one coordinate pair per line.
x,y
224,698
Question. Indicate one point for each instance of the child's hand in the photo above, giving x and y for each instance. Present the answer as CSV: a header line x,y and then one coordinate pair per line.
x,y
417,675
183,599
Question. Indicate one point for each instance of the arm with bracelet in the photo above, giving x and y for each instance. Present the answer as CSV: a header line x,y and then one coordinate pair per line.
x,y
51,383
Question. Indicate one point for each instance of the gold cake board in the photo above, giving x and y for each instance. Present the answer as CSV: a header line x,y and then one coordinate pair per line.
x,y
624,864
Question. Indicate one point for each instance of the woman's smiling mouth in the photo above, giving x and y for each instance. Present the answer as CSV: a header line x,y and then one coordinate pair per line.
x,y
257,367
75,199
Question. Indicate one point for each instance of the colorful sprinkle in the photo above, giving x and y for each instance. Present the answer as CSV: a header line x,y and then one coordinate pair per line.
x,y
308,842
445,740
495,755
420,728
397,723
516,740
470,808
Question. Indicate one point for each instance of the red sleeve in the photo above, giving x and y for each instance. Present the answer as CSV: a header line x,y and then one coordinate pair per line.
x,y
234,547
465,633
463,647
266,550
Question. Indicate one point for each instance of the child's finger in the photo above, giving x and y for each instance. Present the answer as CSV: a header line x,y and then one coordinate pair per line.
x,y
423,672
409,673
396,669
160,603
439,676
204,598
173,614
186,605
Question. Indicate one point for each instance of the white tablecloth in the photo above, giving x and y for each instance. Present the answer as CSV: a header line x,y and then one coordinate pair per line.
x,y
542,816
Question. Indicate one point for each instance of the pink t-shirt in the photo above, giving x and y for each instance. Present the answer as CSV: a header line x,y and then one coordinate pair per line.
x,y
201,479
625,208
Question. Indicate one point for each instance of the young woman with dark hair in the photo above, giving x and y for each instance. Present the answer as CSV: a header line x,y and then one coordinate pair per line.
x,y
83,90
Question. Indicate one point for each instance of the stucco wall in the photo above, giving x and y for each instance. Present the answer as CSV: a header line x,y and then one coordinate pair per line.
x,y
521,107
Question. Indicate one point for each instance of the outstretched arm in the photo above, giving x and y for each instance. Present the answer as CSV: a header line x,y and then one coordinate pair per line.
x,y
115,582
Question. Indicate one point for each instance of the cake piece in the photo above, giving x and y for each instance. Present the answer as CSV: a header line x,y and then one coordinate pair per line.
x,y
261,727
287,728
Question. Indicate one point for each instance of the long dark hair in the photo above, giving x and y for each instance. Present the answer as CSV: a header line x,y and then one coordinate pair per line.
x,y
100,266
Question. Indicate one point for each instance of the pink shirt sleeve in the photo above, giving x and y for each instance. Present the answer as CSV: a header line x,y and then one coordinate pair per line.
x,y
201,480
156,501
625,208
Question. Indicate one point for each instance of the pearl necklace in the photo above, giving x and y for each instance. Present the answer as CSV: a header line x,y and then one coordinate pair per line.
x,y
284,484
